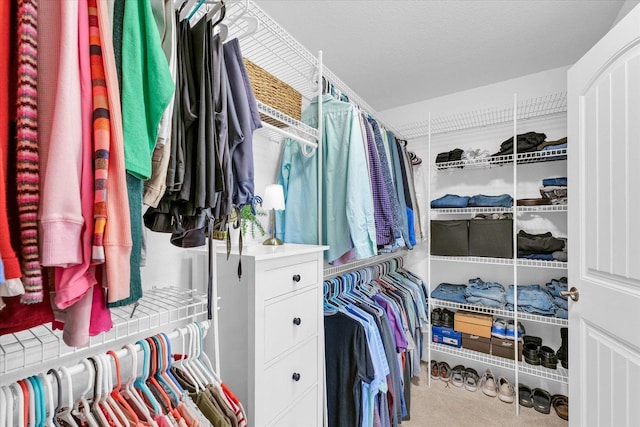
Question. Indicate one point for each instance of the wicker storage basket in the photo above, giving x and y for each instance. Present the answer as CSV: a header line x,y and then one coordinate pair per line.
x,y
274,92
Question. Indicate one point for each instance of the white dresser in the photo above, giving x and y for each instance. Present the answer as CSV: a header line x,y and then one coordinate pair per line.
x,y
272,333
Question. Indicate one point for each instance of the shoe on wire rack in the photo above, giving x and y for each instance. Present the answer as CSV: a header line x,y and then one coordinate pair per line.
x,y
488,383
499,328
511,330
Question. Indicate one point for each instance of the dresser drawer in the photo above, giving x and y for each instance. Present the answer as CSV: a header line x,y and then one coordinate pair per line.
x,y
290,321
279,281
278,388
303,412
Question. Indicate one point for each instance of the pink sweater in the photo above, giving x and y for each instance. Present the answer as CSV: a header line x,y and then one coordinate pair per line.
x,y
61,206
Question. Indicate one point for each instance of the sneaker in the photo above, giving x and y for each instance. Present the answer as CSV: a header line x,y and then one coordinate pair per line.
x,y
471,379
436,317
499,328
510,330
506,393
447,318
435,370
444,370
458,375
488,384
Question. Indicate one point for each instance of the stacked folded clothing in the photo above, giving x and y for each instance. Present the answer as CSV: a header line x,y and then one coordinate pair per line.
x,y
527,142
485,294
541,300
554,190
479,200
553,145
541,247
534,299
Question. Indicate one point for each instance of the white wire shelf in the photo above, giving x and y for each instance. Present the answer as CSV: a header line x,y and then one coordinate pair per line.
x,y
559,374
519,209
502,261
474,355
522,262
332,271
549,320
473,259
437,211
158,308
543,208
526,109
494,161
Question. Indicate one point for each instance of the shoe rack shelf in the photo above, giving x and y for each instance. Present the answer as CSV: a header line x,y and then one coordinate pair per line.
x,y
549,320
519,209
157,309
559,375
502,261
490,162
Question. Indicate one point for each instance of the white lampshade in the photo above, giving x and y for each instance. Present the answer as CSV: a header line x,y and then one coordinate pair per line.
x,y
273,197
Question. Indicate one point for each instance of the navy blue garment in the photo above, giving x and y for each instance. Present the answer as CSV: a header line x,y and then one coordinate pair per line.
x,y
561,180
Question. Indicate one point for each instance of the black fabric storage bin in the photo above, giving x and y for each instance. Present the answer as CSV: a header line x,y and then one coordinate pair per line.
x,y
450,238
491,238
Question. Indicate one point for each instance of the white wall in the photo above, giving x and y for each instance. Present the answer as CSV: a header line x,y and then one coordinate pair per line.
x,y
168,265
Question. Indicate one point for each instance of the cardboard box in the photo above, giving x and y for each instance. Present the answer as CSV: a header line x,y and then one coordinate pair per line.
x,y
503,347
477,343
473,323
442,335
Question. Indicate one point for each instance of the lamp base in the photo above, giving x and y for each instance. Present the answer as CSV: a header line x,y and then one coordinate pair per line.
x,y
273,241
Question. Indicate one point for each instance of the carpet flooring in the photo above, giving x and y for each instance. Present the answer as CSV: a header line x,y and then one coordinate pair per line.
x,y
446,405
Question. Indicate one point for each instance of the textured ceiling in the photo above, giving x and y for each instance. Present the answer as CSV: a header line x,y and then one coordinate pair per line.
x,y
393,53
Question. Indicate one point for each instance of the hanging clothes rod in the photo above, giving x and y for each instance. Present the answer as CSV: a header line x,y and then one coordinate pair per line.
x,y
269,126
123,352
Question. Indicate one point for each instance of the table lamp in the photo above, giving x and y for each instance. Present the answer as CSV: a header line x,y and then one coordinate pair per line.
x,y
273,199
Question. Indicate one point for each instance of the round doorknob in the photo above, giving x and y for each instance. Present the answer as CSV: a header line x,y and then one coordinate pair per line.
x,y
297,321
296,278
296,376
571,293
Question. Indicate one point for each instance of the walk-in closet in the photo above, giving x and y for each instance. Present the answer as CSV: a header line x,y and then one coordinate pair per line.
x,y
262,213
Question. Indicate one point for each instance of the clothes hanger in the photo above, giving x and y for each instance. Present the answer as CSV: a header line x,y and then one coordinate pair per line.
x,y
19,408
43,400
81,407
95,407
189,9
161,395
204,358
182,361
117,396
105,400
130,391
172,392
3,408
9,417
194,360
140,382
109,388
36,402
30,403
167,365
65,415
54,407
164,352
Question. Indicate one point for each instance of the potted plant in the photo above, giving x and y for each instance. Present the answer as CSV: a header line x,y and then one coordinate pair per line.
x,y
250,224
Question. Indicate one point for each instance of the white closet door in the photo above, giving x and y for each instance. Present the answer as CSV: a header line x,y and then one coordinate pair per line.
x,y
604,230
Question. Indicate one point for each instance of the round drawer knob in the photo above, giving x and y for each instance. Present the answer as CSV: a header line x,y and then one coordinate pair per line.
x,y
296,278
296,376
297,321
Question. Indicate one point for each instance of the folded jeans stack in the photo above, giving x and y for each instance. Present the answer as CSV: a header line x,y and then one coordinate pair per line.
x,y
450,201
450,292
561,303
541,247
486,294
481,200
532,299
